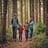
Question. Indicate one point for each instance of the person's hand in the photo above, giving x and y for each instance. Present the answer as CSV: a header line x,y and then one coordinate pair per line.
x,y
10,26
17,26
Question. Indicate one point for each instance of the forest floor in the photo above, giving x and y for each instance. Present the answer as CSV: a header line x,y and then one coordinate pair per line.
x,y
18,44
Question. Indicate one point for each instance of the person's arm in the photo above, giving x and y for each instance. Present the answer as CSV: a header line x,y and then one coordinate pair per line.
x,y
17,21
18,28
24,25
11,22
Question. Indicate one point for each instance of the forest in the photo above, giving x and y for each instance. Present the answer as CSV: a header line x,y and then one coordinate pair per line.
x,y
24,9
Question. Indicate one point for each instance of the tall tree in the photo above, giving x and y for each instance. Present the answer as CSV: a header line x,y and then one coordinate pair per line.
x,y
44,11
39,11
46,17
4,20
22,12
32,9
14,7
25,8
0,11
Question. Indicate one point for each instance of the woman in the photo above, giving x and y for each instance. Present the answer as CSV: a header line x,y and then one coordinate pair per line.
x,y
31,23
26,29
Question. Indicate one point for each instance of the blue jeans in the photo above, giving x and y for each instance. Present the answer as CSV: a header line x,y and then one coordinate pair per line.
x,y
20,36
31,32
26,34
14,32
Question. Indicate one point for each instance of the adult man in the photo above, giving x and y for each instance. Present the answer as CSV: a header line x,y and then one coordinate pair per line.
x,y
14,23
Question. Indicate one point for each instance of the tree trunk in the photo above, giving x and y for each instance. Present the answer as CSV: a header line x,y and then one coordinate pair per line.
x,y
32,9
0,11
14,7
25,9
39,11
21,13
4,21
44,11
46,17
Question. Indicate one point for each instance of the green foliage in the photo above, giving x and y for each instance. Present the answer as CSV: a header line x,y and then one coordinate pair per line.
x,y
39,28
8,33
40,36
8,30
42,41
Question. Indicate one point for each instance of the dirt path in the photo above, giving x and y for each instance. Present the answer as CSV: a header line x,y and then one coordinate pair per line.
x,y
18,44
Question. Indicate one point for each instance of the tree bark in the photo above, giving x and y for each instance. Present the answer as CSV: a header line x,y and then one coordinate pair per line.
x,y
14,7
21,13
32,9
39,11
44,11
0,11
46,18
4,21
25,9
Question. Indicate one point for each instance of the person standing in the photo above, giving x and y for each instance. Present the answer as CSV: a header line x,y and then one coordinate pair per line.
x,y
31,23
14,23
26,26
20,28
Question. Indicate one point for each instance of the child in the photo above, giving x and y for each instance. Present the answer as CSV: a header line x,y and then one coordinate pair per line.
x,y
31,23
20,28
26,29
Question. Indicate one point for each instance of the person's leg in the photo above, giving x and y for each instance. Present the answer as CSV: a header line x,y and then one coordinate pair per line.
x,y
26,34
19,36
31,31
15,32
30,34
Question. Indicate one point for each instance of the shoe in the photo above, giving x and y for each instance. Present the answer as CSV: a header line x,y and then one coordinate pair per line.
x,y
14,39
26,40
30,39
20,40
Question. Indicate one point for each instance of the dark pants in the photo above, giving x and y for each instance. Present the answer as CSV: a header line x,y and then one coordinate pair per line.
x,y
14,32
26,34
20,36
31,32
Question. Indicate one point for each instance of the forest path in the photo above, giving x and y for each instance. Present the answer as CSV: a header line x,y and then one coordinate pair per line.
x,y
18,44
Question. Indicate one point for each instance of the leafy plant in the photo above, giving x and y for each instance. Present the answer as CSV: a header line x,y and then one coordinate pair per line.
x,y
8,33
40,28
42,43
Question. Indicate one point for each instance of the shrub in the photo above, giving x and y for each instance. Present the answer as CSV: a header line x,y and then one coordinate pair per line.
x,y
40,28
42,43
8,33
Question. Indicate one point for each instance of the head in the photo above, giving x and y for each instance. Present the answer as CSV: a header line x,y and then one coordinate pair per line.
x,y
15,16
26,21
20,24
31,19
